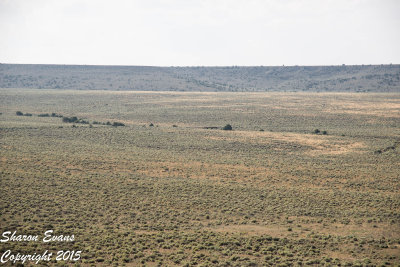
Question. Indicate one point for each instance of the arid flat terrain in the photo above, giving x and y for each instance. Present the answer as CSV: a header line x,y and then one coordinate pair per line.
x,y
302,179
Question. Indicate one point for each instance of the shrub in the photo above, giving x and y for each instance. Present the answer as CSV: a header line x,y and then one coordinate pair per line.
x,y
74,120
82,121
316,131
28,114
227,127
19,113
69,120
116,124
151,124
324,132
44,115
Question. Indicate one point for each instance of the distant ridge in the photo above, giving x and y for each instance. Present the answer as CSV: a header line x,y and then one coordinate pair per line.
x,y
345,78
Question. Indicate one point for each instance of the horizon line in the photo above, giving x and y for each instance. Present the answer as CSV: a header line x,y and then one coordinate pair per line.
x,y
199,66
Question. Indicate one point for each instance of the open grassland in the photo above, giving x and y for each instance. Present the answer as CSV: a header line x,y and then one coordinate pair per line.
x,y
270,192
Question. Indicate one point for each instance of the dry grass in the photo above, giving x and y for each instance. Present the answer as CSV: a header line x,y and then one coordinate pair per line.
x,y
188,195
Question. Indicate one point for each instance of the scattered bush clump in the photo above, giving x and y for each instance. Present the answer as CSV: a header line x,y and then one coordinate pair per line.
x,y
74,120
317,131
56,115
116,124
82,121
227,127
19,113
389,148
70,119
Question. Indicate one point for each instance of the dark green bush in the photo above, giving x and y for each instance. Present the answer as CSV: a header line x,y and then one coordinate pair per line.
x,y
116,124
56,115
227,127
82,121
70,119
19,113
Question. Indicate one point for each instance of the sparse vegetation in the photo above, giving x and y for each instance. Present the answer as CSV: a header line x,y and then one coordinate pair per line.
x,y
193,196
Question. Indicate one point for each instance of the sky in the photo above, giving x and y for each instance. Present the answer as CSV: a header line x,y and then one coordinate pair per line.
x,y
200,32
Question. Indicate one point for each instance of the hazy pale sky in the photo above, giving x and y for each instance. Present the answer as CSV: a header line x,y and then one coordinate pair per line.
x,y
200,32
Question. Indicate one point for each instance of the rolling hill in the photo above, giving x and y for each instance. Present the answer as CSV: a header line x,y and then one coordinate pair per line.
x,y
358,78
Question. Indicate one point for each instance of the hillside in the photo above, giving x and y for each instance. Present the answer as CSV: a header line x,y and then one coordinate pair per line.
x,y
371,78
